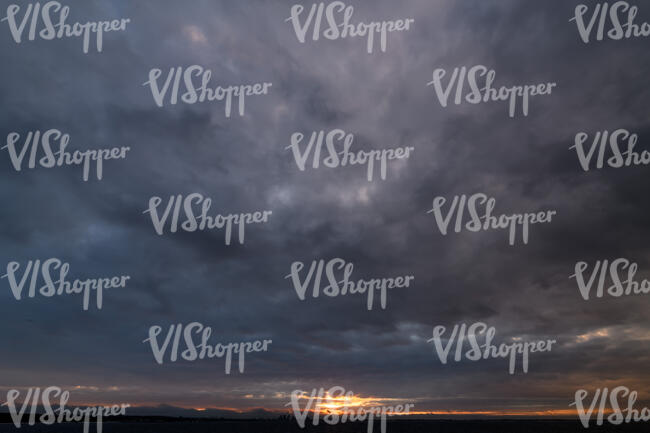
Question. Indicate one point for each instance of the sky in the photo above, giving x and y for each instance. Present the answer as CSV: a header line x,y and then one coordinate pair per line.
x,y
244,165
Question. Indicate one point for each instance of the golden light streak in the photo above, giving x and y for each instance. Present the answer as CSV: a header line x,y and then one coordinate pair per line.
x,y
339,404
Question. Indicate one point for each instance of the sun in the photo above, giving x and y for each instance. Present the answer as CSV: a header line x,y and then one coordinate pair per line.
x,y
339,404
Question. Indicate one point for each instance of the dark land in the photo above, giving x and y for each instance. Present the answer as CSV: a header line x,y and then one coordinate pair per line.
x,y
161,424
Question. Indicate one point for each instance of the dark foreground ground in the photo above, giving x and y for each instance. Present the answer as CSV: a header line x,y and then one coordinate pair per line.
x,y
174,425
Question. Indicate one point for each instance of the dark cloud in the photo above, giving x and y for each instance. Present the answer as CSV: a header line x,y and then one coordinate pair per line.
x,y
243,165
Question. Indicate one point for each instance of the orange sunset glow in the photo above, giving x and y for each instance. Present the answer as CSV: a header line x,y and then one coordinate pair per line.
x,y
341,404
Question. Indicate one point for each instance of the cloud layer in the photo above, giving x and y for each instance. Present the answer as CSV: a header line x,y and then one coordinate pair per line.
x,y
243,165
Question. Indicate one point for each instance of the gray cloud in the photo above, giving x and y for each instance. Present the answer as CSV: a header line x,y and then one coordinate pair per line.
x,y
382,227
